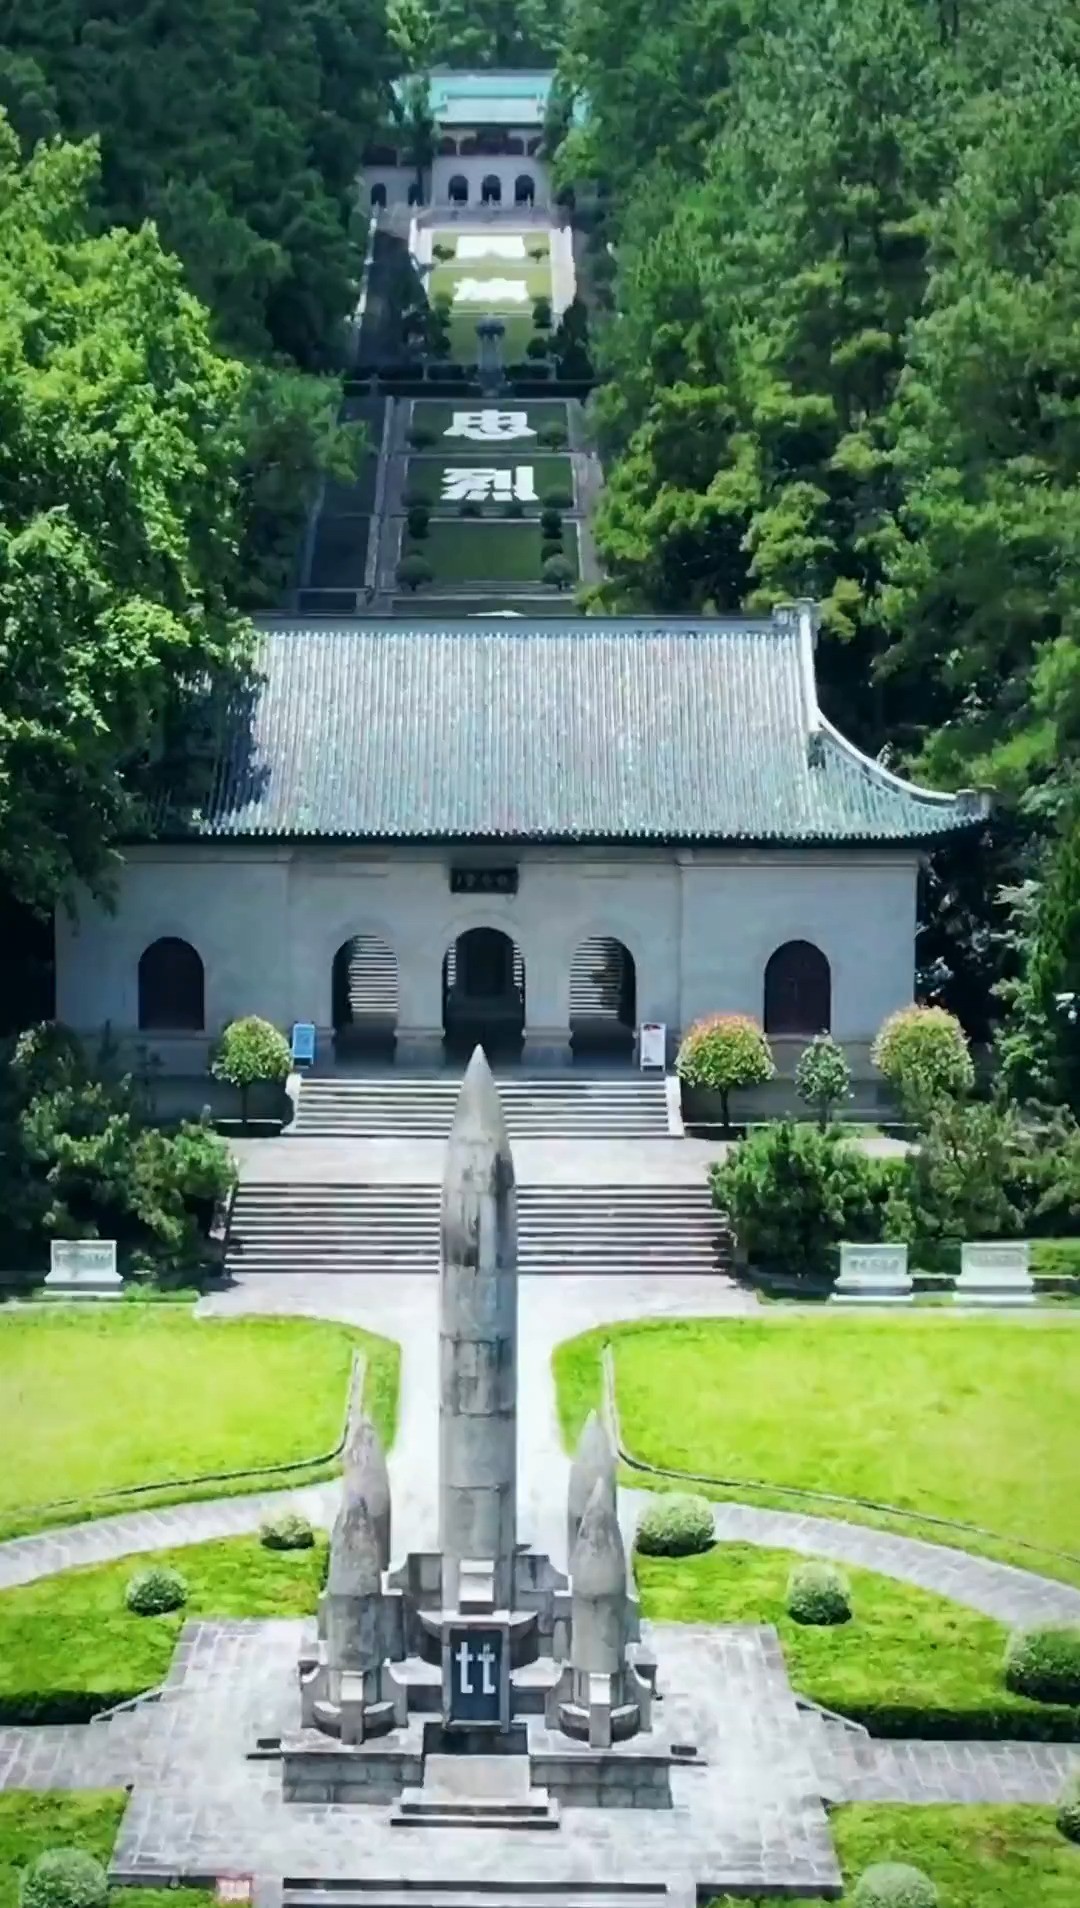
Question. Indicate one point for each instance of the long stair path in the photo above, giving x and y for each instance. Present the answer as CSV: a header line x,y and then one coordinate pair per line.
x,y
561,1106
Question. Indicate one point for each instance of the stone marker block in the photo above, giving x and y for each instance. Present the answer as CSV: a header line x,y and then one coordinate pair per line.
x,y
996,1272
83,1268
873,1275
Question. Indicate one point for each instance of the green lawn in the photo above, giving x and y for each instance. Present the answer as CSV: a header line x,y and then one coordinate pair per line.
x,y
109,1654
908,1662
424,475
93,1399
967,1418
437,414
534,239
533,274
31,1822
1006,1856
518,328
464,551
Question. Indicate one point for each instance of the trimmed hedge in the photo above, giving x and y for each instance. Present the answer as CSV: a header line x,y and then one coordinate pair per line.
x,y
64,1878
289,1531
676,1526
1068,1811
818,1593
894,1885
1045,1664
153,1592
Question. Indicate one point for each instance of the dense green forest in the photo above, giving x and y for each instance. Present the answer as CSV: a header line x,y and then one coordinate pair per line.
x,y
840,243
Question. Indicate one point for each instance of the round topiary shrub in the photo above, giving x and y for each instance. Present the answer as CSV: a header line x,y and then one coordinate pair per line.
x,y
152,1592
1068,1809
414,570
676,1526
514,507
558,497
551,436
723,1052
924,1055
288,1531
442,250
542,313
421,436
818,1593
894,1885
469,507
537,346
550,523
418,519
1044,1664
64,1878
557,571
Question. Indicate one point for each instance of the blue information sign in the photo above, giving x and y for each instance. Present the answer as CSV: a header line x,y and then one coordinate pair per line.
x,y
476,1669
303,1043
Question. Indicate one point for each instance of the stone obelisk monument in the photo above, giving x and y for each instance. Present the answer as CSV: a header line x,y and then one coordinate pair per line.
x,y
478,1353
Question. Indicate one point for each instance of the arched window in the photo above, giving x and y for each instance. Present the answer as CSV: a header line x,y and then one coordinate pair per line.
x,y
458,189
378,195
798,990
172,988
524,189
491,189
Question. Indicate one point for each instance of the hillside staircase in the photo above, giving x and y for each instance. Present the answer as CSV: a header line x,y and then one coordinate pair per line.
x,y
556,1106
476,1892
635,1229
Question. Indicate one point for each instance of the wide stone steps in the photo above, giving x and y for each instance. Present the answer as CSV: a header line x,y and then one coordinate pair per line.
x,y
410,1108
395,1228
409,1893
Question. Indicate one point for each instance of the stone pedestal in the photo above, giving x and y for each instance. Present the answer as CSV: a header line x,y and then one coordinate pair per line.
x,y
873,1275
995,1272
83,1268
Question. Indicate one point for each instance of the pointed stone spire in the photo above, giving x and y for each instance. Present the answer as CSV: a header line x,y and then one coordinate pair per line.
x,y
366,1476
598,1589
354,1569
478,1343
594,1463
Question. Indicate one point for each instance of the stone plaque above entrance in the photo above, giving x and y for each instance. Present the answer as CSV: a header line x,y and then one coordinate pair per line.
x,y
483,880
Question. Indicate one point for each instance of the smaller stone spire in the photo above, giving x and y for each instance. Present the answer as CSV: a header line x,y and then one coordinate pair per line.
x,y
354,1569
594,1463
366,1477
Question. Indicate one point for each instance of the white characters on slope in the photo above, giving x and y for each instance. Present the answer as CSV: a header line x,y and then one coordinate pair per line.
x,y
476,485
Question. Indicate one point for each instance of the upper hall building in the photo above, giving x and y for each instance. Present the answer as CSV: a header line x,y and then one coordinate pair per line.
x,y
539,834
489,129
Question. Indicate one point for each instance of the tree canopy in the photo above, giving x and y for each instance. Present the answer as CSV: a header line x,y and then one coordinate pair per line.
x,y
841,356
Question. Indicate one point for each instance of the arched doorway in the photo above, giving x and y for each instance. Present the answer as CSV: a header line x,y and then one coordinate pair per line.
x,y
365,996
491,189
416,195
378,197
172,988
603,997
458,189
524,189
798,990
483,995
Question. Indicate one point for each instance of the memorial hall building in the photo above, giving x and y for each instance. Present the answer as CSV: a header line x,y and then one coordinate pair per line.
x,y
538,834
488,144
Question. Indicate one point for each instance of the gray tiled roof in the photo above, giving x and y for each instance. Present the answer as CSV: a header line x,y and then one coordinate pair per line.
x,y
588,728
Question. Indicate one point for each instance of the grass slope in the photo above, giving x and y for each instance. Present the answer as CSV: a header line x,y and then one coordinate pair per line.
x,y
436,414
95,1398
424,476
968,1418
109,1654
464,551
908,1663
31,1822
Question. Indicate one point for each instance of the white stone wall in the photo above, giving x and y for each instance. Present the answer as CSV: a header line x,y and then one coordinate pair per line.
x,y
475,168
267,922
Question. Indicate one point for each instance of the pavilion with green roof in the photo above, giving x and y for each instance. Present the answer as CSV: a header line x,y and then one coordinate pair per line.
x,y
538,833
488,142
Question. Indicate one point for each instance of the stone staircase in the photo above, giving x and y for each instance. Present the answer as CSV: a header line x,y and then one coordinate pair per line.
x,y
393,1106
625,1229
477,1892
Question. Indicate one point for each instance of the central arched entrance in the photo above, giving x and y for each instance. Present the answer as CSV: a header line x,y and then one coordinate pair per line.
x,y
603,997
483,995
365,997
